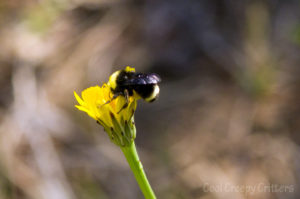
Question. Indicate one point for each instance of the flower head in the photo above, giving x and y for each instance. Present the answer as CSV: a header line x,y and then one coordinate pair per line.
x,y
97,103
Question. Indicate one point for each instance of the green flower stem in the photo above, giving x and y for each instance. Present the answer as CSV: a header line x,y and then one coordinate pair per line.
x,y
138,171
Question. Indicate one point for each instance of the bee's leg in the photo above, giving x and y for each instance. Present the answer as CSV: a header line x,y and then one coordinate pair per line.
x,y
126,95
113,98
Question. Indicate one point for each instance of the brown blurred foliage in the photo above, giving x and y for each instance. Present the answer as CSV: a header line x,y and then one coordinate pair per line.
x,y
228,115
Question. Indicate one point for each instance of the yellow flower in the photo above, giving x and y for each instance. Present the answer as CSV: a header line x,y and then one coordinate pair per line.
x,y
118,124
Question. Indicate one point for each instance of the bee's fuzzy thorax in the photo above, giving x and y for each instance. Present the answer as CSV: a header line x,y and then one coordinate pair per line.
x,y
129,69
112,82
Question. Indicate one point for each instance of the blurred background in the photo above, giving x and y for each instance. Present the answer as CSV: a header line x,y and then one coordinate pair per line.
x,y
228,115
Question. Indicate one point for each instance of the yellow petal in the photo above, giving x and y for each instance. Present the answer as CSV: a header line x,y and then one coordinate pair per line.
x,y
89,112
79,100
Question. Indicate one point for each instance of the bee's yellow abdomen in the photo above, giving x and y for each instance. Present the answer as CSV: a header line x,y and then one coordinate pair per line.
x,y
153,95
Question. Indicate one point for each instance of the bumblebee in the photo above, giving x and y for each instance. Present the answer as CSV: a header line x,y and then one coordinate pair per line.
x,y
129,83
